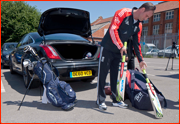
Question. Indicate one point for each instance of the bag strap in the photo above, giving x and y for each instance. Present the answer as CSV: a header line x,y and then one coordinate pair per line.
x,y
132,86
165,102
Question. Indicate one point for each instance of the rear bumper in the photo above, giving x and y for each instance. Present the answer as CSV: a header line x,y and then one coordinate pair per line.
x,y
64,71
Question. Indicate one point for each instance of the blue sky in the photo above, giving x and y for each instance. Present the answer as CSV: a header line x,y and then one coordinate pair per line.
x,y
96,8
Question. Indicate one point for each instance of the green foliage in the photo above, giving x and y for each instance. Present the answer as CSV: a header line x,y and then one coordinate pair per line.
x,y
17,19
147,56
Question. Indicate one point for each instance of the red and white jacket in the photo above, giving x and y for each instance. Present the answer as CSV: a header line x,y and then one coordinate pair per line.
x,y
121,29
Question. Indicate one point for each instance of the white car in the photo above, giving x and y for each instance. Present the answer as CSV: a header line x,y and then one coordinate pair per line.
x,y
167,51
153,52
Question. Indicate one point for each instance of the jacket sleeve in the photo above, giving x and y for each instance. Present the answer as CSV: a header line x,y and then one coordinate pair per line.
x,y
137,45
113,29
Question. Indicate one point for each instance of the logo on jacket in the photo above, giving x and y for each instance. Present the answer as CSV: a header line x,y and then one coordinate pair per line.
x,y
127,21
138,96
135,28
125,32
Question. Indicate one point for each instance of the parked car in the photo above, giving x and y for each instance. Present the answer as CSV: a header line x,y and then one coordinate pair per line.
x,y
6,49
147,47
61,39
150,46
167,51
152,52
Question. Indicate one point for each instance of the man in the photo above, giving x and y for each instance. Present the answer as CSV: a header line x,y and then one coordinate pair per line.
x,y
125,23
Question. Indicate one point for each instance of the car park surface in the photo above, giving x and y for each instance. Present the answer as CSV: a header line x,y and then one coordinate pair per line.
x,y
86,110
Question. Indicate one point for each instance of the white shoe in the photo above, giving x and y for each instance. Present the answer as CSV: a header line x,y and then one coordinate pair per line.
x,y
120,104
102,106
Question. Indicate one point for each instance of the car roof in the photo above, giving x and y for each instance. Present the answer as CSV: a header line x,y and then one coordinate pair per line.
x,y
11,43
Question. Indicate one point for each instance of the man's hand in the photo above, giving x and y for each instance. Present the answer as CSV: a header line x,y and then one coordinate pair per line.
x,y
123,50
142,65
126,59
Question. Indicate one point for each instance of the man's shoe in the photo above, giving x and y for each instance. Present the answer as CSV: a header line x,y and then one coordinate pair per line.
x,y
102,106
120,104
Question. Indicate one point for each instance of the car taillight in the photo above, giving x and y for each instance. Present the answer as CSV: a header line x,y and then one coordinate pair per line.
x,y
98,55
50,52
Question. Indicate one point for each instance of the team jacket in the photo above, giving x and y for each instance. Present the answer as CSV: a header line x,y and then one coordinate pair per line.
x,y
121,29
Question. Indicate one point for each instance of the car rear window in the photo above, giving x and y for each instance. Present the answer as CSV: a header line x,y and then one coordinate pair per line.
x,y
64,36
10,47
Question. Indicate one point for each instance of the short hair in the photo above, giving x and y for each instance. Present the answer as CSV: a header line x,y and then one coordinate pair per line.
x,y
148,6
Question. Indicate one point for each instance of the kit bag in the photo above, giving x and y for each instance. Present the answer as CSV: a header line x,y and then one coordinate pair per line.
x,y
136,91
58,93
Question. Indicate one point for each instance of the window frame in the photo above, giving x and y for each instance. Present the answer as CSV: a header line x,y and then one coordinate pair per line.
x,y
168,27
156,17
169,15
156,30
145,31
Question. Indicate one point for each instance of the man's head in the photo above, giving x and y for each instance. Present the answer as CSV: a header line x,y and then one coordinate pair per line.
x,y
146,11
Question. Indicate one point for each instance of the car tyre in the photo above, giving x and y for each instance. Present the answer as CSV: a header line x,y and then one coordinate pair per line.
x,y
11,67
27,79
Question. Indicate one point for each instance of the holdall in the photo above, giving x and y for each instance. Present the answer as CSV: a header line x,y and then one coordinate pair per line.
x,y
58,93
137,92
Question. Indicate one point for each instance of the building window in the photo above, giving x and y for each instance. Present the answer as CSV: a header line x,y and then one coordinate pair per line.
x,y
155,29
168,28
146,21
156,17
145,31
169,14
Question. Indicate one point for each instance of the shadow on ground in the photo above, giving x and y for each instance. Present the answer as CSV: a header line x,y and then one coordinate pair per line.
x,y
16,82
88,105
175,76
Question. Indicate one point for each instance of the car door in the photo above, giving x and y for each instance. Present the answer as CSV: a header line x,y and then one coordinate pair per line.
x,y
19,52
154,52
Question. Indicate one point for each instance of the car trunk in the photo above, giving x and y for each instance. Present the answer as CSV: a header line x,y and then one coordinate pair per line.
x,y
76,51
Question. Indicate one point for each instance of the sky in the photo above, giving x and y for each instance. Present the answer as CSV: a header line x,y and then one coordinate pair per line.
x,y
105,9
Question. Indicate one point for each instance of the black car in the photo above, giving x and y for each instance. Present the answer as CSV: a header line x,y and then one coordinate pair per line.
x,y
6,49
62,40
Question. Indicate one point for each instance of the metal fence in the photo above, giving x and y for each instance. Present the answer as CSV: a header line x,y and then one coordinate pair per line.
x,y
161,41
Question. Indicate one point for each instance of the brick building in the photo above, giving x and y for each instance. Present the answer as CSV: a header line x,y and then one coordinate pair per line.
x,y
164,20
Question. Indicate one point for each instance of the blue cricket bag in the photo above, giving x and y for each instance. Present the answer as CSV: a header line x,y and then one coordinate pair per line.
x,y
59,93
136,91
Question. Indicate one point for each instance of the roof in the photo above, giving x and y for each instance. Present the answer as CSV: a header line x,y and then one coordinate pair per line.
x,y
104,20
98,26
168,5
163,6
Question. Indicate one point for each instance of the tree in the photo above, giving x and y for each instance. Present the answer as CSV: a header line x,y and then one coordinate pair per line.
x,y
17,19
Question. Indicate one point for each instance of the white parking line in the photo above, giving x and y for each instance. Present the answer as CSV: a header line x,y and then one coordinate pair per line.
x,y
176,72
151,74
2,87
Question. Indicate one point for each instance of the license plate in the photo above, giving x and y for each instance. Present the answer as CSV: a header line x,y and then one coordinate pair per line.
x,y
80,73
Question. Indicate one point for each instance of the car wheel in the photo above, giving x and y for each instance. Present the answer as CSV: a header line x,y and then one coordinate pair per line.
x,y
11,67
27,79
88,80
